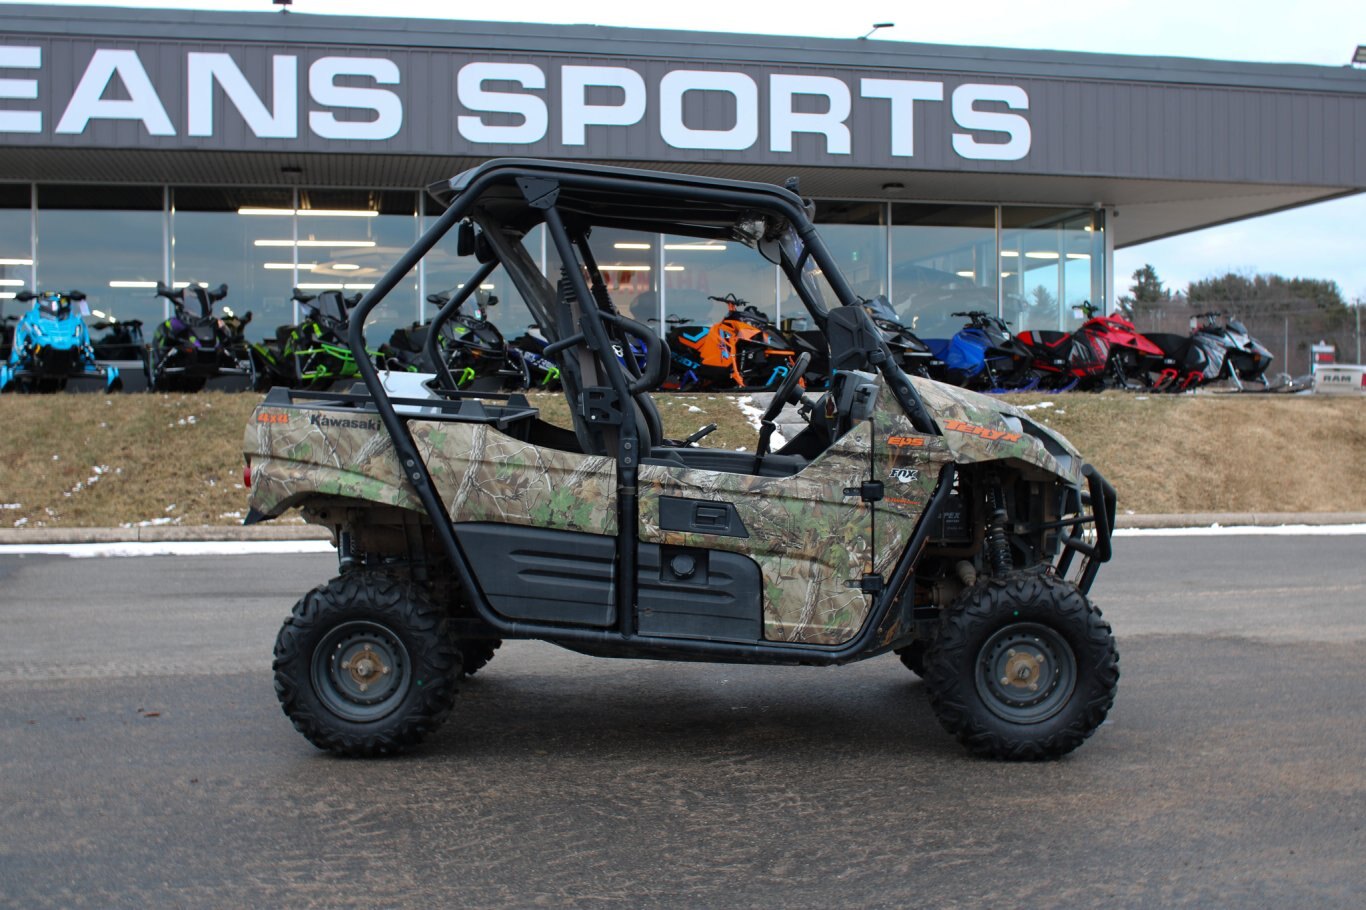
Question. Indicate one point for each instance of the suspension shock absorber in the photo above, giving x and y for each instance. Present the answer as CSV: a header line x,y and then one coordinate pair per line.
x,y
998,547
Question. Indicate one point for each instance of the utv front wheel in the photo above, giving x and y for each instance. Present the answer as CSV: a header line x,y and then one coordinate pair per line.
x,y
1024,668
365,665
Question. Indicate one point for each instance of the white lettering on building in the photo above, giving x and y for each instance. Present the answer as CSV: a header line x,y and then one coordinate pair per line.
x,y
22,58
576,114
279,122
903,94
531,108
323,89
677,83
508,103
783,121
88,102
966,115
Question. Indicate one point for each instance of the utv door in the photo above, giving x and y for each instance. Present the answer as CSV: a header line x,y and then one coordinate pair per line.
x,y
744,549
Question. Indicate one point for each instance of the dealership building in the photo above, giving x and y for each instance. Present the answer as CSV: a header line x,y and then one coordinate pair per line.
x,y
272,151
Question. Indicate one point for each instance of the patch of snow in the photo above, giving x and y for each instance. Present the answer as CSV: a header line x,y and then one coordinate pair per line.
x,y
1035,407
11,505
171,507
21,522
694,409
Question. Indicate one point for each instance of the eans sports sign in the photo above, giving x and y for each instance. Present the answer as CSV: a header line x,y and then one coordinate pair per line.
x,y
64,92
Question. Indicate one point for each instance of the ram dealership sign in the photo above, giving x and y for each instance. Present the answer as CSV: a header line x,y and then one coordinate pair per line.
x,y
57,91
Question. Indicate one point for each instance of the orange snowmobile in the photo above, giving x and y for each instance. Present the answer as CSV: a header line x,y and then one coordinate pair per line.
x,y
741,351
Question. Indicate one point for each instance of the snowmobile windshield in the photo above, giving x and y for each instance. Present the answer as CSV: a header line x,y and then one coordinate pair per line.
x,y
1237,326
54,306
881,308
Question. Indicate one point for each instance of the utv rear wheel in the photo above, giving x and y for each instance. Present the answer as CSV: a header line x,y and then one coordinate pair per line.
x,y
1024,668
365,665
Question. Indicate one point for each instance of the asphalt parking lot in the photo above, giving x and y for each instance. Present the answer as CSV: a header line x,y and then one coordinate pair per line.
x,y
146,763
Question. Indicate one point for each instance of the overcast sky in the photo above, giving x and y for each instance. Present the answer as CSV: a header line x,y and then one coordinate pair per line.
x,y
1327,240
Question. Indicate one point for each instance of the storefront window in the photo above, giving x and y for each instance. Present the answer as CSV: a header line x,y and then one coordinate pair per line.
x,y
943,262
348,239
1052,261
213,241
107,241
695,270
856,234
444,270
16,249
628,261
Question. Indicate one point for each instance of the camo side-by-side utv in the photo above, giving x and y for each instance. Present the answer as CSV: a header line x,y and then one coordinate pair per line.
x,y
905,516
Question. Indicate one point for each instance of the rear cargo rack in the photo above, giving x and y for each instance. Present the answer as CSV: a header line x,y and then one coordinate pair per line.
x,y
462,407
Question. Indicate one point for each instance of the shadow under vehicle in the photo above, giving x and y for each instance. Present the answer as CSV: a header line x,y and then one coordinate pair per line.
x,y
906,516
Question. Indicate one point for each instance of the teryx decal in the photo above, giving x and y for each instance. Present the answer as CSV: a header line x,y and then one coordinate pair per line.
x,y
959,426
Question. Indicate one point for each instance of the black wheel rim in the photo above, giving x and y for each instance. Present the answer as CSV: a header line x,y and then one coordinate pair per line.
x,y
1026,673
361,671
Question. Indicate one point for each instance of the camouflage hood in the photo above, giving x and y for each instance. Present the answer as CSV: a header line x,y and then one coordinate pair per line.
x,y
980,428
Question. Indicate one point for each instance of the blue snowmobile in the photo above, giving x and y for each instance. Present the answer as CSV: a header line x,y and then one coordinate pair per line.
x,y
52,348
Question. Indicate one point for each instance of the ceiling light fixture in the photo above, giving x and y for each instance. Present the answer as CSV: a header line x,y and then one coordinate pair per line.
x,y
316,243
310,213
11,282
16,262
133,284
631,246
1042,254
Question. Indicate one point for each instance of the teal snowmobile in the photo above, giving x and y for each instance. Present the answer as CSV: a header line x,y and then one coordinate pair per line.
x,y
52,349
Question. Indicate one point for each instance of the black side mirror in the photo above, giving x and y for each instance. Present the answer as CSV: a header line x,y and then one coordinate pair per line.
x,y
855,343
464,239
25,296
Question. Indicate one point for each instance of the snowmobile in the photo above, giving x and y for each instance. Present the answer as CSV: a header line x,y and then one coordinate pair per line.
x,y
741,351
51,349
193,347
984,355
1105,351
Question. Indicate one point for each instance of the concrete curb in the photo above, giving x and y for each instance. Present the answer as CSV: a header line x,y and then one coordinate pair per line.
x,y
271,531
160,534
1239,519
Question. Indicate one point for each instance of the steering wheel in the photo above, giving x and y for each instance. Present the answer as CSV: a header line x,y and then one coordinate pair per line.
x,y
781,399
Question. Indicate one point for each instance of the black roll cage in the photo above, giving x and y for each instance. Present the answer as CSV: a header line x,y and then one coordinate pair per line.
x,y
540,184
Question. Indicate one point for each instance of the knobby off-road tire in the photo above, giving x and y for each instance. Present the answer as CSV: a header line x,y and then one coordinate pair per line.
x,y
475,653
1024,668
365,665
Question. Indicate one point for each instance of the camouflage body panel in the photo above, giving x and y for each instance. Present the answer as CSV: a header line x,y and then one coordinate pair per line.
x,y
908,463
808,538
299,452
480,473
978,429
484,475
